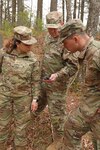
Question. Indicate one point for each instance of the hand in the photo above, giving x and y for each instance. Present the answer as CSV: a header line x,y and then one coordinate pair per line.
x,y
99,111
34,105
53,77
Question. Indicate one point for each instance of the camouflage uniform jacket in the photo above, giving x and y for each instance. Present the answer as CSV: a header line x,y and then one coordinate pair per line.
x,y
20,74
90,60
57,61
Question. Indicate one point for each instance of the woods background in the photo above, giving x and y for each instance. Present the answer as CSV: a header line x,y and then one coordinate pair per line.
x,y
16,12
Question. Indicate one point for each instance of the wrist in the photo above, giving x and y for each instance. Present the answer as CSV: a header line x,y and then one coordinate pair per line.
x,y
57,74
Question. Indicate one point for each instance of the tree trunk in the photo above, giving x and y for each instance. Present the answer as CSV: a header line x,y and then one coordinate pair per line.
x,y
53,6
31,11
38,24
82,10
39,9
93,17
75,7
8,11
13,11
79,8
20,9
63,9
68,10
5,10
1,9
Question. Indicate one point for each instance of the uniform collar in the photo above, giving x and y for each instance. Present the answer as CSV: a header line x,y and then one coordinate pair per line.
x,y
83,52
15,53
51,39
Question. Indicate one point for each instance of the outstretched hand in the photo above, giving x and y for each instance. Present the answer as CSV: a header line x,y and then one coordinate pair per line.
x,y
53,77
34,105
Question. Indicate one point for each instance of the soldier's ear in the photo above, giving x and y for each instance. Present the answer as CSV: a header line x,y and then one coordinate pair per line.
x,y
17,44
76,38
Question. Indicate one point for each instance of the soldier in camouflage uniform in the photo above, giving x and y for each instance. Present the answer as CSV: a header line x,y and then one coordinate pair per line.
x,y
19,88
87,116
55,68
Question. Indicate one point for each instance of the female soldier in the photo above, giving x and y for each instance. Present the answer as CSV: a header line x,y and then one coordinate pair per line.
x,y
19,87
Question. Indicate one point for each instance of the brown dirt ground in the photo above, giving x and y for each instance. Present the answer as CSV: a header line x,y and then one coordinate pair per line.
x,y
42,128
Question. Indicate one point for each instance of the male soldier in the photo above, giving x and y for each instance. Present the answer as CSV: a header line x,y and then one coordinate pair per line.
x,y
87,116
56,67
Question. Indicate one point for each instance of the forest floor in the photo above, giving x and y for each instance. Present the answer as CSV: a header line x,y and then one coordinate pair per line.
x,y
42,127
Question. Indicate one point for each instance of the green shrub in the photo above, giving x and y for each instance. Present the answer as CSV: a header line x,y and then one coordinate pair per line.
x,y
38,25
23,19
7,28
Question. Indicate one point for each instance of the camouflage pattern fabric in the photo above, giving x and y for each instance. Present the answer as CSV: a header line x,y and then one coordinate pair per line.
x,y
24,35
19,84
71,27
87,116
98,144
56,91
89,142
54,19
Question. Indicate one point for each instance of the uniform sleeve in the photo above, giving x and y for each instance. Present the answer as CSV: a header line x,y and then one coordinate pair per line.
x,y
36,75
96,60
71,66
1,58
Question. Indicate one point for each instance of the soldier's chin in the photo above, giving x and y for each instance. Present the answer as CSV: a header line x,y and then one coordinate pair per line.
x,y
54,36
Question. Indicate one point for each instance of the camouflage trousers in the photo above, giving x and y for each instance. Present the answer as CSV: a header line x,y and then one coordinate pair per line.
x,y
76,126
56,100
15,121
89,142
